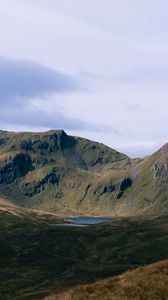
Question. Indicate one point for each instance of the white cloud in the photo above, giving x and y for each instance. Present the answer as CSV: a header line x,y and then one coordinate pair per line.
x,y
118,48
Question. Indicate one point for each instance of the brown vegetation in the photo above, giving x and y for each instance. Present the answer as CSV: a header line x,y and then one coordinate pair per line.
x,y
149,282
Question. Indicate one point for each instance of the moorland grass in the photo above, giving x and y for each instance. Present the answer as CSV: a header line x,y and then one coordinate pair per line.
x,y
39,258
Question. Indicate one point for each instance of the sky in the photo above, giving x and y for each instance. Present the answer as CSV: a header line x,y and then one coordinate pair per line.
x,y
95,68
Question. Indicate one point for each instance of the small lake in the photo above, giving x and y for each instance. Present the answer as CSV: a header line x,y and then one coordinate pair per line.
x,y
88,220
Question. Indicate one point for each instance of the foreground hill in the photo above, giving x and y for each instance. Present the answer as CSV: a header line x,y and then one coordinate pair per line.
x,y
39,257
149,282
53,171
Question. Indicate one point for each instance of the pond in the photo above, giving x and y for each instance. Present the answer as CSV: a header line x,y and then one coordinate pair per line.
x,y
88,220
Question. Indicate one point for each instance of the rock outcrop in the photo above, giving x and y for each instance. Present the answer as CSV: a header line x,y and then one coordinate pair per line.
x,y
15,167
125,184
106,188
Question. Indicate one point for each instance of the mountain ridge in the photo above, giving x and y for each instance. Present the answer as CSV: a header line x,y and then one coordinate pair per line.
x,y
54,171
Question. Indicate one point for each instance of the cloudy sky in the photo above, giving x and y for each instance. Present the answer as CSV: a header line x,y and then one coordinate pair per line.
x,y
95,68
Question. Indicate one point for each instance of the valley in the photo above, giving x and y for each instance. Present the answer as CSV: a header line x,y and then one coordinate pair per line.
x,y
39,259
51,184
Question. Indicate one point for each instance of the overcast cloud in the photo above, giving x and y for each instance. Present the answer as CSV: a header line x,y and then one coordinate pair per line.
x,y
20,79
97,68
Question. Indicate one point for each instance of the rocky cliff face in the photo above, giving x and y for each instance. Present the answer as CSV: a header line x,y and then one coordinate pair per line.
x,y
15,167
160,165
49,142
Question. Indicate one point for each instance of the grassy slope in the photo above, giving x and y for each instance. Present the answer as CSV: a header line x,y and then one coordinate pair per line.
x,y
39,258
150,184
149,282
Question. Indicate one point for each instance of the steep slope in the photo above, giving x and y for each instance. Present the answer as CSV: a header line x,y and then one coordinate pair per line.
x,y
151,182
149,282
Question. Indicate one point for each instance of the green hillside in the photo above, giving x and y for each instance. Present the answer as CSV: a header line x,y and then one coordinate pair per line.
x,y
53,171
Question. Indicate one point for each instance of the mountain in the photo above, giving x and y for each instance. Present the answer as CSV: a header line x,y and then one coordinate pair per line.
x,y
47,176
53,171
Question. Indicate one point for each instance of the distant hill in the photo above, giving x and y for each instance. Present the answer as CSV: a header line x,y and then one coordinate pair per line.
x,y
53,171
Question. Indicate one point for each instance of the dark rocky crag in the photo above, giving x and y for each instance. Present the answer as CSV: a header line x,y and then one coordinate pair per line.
x,y
15,167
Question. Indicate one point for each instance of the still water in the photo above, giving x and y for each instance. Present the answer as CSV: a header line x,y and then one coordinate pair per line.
x,y
87,220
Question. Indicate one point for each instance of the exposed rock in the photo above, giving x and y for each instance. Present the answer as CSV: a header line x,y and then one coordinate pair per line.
x,y
65,141
30,189
40,161
106,188
48,142
125,184
160,172
14,167
59,195
26,145
54,141
72,185
3,141
156,171
38,201
85,194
